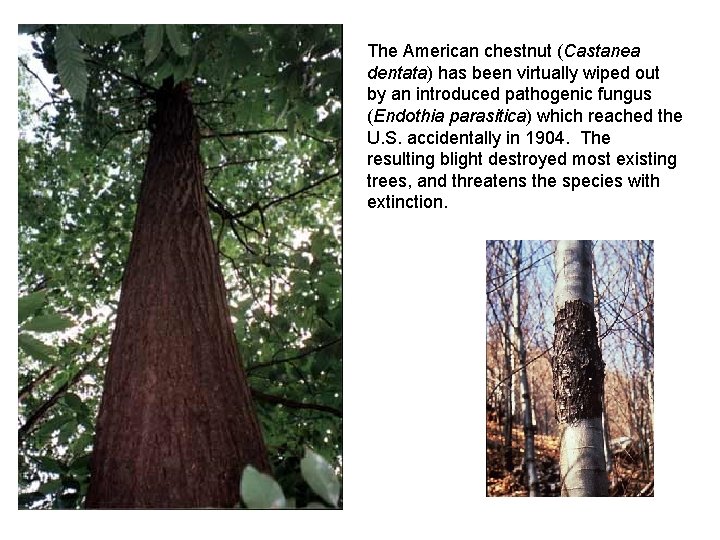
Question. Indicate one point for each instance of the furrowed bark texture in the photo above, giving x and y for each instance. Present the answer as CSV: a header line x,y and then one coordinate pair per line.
x,y
177,424
578,374
578,369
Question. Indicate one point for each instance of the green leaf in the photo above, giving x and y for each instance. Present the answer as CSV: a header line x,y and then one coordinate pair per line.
x,y
62,378
120,30
176,37
252,82
75,403
240,311
316,506
45,430
191,66
179,70
320,476
236,57
29,304
25,500
80,465
50,487
29,28
153,42
66,431
291,124
260,491
82,442
35,348
48,323
71,63
51,465
164,71
93,34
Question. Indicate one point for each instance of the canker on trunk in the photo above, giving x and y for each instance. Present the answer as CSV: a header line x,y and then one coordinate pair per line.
x,y
578,369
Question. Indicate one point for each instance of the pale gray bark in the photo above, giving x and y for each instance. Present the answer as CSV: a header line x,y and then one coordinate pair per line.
x,y
519,350
605,424
573,269
515,388
582,456
651,396
582,459
606,446
508,400
640,282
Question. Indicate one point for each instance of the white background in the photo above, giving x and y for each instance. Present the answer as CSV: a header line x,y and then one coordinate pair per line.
x,y
414,291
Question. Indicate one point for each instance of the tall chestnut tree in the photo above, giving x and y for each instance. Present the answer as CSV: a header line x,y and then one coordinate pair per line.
x,y
234,132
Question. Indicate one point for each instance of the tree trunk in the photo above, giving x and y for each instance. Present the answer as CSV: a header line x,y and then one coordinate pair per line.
x,y
606,447
176,425
508,401
605,423
640,284
578,374
519,350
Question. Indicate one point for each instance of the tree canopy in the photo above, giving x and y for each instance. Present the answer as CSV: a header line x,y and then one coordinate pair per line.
x,y
268,103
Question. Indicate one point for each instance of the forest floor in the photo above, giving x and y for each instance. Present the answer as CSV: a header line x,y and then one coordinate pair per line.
x,y
628,478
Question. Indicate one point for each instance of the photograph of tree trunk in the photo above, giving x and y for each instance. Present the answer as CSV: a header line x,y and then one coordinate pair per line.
x,y
179,266
570,368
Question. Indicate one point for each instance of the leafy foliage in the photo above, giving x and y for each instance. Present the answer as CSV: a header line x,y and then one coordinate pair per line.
x,y
320,475
48,322
70,63
29,304
261,491
268,102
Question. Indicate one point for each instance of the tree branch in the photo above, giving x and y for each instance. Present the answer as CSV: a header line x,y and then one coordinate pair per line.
x,y
329,142
303,354
240,162
137,82
276,400
521,366
40,412
247,133
117,133
25,390
299,191
52,95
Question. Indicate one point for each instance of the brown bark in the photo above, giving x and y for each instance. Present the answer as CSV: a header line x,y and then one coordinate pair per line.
x,y
176,425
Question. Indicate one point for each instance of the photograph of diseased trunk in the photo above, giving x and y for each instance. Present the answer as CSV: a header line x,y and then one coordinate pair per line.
x,y
580,357
578,374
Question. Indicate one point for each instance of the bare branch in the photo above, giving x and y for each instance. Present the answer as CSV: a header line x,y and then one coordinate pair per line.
x,y
52,94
